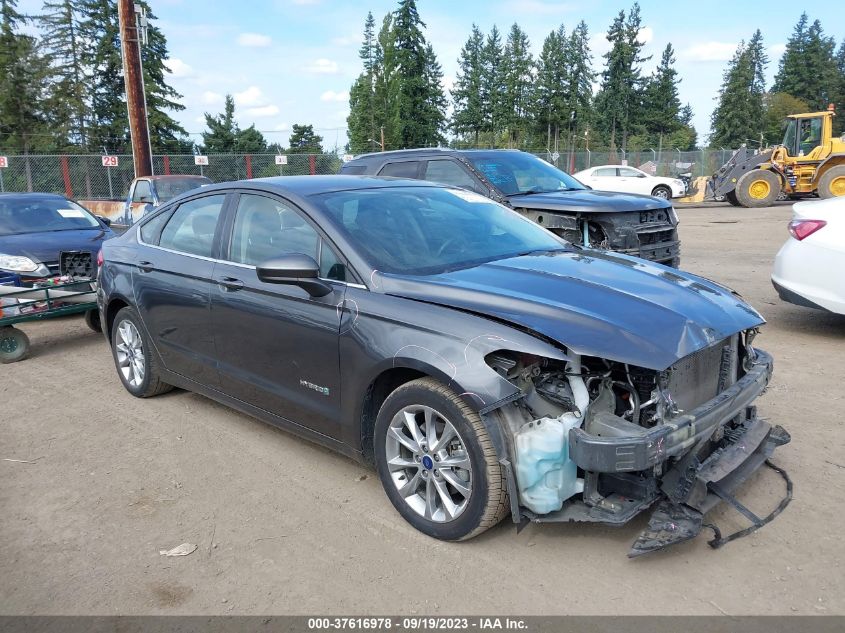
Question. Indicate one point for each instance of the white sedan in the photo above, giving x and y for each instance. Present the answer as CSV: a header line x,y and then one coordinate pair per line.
x,y
808,268
631,180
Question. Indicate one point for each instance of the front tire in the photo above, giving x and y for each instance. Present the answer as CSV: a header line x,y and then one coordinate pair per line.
x,y
134,358
437,463
662,191
758,188
731,198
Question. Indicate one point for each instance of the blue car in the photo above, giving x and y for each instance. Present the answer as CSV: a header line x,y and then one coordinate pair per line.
x,y
37,228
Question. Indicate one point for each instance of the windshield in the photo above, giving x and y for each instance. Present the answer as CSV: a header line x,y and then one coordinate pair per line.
x,y
429,230
169,188
35,215
515,173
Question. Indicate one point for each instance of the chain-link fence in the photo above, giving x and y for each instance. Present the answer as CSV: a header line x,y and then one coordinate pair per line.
x,y
86,176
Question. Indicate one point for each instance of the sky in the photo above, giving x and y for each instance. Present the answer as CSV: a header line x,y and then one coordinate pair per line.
x,y
293,61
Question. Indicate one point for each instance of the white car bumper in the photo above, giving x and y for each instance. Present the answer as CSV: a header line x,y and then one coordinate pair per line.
x,y
810,275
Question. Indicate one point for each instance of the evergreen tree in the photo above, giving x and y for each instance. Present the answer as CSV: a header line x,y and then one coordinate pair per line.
x,y
303,140
552,93
362,128
619,97
665,123
23,71
517,66
492,84
808,68
68,102
839,99
384,85
417,115
468,116
738,117
224,135
580,76
99,28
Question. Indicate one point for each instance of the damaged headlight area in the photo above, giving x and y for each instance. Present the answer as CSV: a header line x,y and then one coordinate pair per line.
x,y
597,440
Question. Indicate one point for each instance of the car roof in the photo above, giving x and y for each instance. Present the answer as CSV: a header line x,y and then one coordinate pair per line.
x,y
174,177
35,195
429,151
310,185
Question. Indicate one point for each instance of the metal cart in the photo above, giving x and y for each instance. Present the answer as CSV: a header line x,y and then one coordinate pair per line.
x,y
19,305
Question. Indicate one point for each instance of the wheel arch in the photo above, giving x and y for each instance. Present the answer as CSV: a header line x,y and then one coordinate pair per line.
x,y
114,305
834,160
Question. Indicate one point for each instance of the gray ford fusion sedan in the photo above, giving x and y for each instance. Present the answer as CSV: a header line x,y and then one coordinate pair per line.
x,y
484,365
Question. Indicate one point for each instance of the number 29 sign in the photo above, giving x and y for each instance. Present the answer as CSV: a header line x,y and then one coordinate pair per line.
x,y
109,161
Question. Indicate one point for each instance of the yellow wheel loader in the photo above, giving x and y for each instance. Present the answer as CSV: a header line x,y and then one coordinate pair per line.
x,y
809,162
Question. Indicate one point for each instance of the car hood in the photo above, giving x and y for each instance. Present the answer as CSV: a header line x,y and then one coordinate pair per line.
x,y
588,201
592,302
46,246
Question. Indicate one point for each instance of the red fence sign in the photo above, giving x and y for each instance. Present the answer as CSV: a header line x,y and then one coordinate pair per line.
x,y
109,161
4,162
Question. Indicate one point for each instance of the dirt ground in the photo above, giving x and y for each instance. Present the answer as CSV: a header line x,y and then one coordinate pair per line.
x,y
285,527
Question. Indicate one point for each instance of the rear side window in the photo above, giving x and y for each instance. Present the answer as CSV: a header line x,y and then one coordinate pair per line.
x,y
406,169
448,172
605,172
354,170
191,227
151,229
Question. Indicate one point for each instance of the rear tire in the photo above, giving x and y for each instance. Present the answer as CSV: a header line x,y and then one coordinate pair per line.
x,y
437,463
92,320
14,345
758,188
134,358
731,197
832,183
662,191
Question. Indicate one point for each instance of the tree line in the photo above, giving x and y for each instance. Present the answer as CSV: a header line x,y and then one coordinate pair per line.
x,y
503,96
810,77
62,90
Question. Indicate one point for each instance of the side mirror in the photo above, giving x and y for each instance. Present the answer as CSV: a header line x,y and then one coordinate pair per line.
x,y
104,220
294,270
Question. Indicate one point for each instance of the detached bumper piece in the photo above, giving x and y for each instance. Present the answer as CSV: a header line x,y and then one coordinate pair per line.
x,y
692,489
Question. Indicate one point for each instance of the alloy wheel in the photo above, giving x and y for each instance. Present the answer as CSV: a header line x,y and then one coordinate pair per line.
x,y
429,463
130,353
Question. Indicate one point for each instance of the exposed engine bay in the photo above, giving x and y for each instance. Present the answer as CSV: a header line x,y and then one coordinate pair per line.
x,y
598,440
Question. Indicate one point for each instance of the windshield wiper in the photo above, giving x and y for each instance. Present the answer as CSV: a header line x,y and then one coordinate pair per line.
x,y
533,191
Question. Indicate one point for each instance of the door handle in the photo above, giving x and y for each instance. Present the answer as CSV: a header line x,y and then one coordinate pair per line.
x,y
230,283
146,266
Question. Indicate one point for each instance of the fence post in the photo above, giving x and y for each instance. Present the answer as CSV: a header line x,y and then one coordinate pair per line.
x,y
66,176
166,165
248,159
312,164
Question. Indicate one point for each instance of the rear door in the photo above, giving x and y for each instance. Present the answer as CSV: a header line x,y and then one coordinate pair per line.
x,y
605,179
173,282
277,345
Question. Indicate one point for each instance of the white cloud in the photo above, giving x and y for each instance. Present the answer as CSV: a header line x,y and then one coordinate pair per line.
x,y
254,40
252,96
212,98
710,52
599,45
263,111
281,127
645,35
331,95
776,50
322,66
178,68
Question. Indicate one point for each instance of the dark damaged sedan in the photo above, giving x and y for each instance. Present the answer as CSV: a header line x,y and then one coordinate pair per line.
x,y
484,365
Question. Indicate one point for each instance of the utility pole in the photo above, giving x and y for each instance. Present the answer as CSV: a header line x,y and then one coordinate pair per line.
x,y
133,77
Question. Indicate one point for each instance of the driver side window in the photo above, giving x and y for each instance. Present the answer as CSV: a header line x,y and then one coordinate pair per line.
x,y
142,192
266,228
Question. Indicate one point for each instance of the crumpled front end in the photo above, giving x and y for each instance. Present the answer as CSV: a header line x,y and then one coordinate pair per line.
x,y
595,440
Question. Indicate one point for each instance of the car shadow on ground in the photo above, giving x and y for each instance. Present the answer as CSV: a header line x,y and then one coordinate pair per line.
x,y
810,321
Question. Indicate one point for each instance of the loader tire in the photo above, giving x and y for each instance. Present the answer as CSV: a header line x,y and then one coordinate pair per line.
x,y
757,188
832,183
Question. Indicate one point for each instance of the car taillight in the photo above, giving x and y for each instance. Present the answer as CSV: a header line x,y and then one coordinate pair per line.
x,y
100,259
799,229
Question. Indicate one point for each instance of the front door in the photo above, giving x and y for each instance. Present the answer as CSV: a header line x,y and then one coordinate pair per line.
x,y
173,286
278,346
